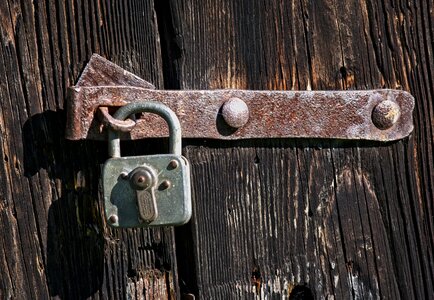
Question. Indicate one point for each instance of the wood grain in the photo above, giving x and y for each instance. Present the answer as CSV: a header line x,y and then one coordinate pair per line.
x,y
272,219
308,219
54,243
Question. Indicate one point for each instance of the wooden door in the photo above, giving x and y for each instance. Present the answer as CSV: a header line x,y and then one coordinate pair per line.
x,y
272,219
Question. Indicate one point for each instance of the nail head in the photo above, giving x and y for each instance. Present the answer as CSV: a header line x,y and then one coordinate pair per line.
x,y
235,112
386,114
165,184
113,219
173,164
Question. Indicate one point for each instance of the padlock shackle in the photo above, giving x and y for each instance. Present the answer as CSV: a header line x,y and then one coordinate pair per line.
x,y
157,108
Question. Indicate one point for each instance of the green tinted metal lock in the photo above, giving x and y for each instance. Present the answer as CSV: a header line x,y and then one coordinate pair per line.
x,y
146,191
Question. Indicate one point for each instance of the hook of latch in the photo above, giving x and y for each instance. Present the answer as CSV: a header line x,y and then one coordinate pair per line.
x,y
115,124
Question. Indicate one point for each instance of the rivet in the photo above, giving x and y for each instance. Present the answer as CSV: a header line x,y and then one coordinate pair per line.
x,y
113,219
235,112
386,114
165,184
124,175
173,164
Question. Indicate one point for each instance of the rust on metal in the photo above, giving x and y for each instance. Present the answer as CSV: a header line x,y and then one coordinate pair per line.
x,y
108,120
386,114
381,115
102,72
235,112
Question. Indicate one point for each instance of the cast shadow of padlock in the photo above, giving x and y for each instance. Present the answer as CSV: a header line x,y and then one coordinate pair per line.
x,y
74,245
123,198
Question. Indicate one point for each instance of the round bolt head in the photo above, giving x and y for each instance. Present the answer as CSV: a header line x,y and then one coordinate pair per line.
x,y
113,219
165,184
173,164
386,114
235,112
124,175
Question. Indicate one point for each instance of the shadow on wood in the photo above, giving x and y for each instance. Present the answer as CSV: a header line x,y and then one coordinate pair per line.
x,y
75,245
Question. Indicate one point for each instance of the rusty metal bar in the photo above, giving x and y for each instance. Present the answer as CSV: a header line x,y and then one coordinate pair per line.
x,y
380,115
272,114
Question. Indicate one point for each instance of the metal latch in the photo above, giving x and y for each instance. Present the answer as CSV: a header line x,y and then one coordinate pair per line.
x,y
379,115
154,190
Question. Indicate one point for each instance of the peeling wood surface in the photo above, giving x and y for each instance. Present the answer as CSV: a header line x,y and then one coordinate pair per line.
x,y
53,243
319,219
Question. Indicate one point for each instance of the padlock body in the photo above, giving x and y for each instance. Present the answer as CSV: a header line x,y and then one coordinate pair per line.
x,y
172,190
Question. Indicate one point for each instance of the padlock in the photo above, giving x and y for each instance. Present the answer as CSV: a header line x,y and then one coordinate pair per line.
x,y
151,190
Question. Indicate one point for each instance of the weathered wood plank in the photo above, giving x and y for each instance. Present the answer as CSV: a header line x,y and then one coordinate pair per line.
x,y
272,218
54,242
349,220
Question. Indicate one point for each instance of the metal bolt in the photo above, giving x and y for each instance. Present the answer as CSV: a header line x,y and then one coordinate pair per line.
x,y
386,114
173,164
113,219
188,297
235,112
124,175
165,184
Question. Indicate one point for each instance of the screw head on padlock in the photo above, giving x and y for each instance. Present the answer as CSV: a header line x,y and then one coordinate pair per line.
x,y
150,190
